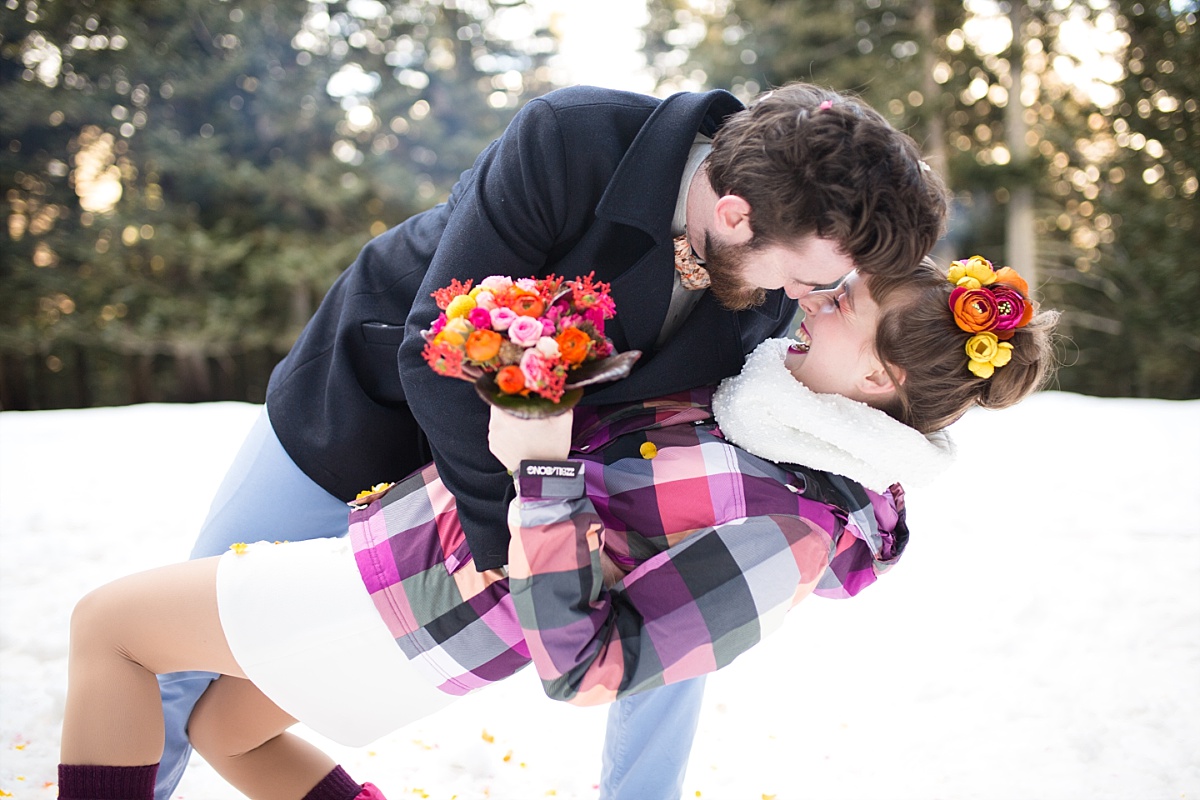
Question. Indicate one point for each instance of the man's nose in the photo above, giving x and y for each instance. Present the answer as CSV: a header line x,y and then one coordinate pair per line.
x,y
797,291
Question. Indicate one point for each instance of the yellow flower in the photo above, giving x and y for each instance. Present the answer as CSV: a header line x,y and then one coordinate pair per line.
x,y
239,547
648,450
460,306
379,487
986,353
455,333
972,273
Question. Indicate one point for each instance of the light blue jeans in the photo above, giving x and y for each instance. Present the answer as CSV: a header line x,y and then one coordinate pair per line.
x,y
266,496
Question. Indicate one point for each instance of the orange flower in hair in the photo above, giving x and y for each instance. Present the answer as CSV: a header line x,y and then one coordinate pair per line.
x,y
974,309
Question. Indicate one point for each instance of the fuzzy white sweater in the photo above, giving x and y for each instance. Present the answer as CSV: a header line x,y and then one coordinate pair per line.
x,y
766,411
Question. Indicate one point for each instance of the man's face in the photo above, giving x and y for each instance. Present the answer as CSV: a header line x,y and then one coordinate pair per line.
x,y
741,274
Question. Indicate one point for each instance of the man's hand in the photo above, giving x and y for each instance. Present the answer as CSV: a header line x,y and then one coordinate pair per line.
x,y
513,440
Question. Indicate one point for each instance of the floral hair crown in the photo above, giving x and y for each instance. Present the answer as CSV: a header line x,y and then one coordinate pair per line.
x,y
991,304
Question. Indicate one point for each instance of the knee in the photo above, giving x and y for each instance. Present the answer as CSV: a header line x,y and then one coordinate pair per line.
x,y
95,622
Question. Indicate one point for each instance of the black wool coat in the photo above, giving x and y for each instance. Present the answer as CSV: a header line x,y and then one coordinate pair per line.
x,y
583,180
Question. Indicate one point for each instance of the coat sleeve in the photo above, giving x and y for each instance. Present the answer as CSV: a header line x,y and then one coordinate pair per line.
x,y
687,611
507,222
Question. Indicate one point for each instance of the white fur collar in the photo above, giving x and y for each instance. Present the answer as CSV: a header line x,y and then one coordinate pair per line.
x,y
766,411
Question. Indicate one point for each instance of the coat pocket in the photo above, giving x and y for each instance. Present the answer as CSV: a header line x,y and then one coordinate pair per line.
x,y
382,333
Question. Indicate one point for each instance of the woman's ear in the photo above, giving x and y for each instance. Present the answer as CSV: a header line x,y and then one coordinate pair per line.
x,y
731,217
879,382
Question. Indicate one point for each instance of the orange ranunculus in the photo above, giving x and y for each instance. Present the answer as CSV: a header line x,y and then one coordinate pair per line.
x,y
483,345
573,346
974,309
1009,275
528,305
510,379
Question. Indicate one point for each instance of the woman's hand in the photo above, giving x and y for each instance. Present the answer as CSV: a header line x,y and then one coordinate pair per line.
x,y
513,440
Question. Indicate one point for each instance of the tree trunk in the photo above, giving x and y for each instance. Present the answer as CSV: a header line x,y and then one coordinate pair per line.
x,y
1019,240
934,144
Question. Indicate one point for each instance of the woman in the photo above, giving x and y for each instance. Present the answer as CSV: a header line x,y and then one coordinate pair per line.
x,y
651,543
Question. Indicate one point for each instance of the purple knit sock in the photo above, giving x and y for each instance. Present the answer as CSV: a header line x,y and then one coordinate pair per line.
x,y
337,785
92,782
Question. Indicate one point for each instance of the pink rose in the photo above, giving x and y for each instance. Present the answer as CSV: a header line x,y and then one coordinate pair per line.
x,y
496,283
502,318
541,375
525,331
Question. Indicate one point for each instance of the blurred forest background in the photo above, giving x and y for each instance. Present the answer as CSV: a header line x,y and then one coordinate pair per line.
x,y
183,180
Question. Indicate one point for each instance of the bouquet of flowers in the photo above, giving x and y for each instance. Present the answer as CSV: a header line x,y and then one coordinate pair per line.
x,y
529,346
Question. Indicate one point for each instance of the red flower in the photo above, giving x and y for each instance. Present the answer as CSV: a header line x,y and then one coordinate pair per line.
x,y
444,295
444,359
586,293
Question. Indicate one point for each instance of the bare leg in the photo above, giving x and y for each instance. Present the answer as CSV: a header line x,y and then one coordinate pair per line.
x,y
122,635
241,734
166,620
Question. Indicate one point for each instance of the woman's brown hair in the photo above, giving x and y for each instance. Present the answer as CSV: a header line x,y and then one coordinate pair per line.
x,y
924,350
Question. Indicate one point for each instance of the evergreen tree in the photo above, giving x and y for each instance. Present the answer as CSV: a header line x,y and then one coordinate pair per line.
x,y
1133,287
184,180
1113,188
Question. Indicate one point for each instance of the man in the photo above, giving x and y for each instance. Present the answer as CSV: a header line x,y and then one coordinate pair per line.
x,y
790,194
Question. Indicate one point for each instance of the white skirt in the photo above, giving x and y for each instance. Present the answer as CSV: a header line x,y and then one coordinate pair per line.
x,y
303,627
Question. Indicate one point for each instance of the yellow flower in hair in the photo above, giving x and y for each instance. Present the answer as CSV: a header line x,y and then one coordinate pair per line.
x,y
972,273
987,352
239,548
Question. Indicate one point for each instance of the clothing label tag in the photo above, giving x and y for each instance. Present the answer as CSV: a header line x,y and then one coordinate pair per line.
x,y
551,469
547,479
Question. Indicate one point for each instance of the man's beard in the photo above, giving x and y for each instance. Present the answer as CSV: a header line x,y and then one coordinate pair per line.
x,y
725,264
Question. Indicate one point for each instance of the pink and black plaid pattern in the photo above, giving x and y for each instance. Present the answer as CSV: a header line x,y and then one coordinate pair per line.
x,y
719,544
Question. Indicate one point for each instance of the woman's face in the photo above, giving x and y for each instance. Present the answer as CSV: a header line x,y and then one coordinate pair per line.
x,y
836,351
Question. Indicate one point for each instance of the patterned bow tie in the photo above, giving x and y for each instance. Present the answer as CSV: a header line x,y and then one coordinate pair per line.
x,y
691,275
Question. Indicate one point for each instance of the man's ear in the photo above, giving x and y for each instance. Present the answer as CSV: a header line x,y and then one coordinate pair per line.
x,y
879,382
731,217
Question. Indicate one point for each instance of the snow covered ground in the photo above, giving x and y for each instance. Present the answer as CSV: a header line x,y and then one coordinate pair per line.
x,y
1041,638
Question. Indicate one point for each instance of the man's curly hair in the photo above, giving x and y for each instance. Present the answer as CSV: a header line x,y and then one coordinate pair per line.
x,y
809,160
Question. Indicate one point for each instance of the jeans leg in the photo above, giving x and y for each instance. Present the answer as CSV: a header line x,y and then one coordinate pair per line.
x,y
264,496
648,741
